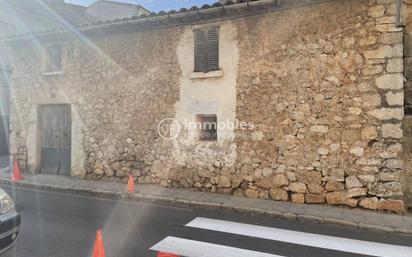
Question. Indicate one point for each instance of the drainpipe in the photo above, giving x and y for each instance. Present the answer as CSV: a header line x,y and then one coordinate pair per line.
x,y
398,13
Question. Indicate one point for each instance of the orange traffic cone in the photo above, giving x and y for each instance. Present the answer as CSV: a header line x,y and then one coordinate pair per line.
x,y
16,172
98,250
130,184
160,254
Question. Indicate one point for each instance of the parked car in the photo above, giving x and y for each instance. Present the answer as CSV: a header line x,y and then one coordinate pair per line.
x,y
9,222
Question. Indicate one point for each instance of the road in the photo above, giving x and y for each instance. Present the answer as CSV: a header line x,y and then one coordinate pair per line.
x,y
4,162
64,225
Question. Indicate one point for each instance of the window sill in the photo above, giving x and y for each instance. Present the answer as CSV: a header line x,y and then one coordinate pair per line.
x,y
53,73
205,75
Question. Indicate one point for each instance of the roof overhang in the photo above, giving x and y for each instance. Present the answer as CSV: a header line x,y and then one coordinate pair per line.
x,y
171,19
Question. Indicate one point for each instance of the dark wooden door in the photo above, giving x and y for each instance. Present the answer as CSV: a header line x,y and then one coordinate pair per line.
x,y
55,129
4,119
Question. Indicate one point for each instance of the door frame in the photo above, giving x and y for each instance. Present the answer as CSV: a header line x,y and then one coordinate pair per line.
x,y
40,133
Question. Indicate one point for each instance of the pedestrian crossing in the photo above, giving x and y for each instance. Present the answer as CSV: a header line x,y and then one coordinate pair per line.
x,y
191,248
194,248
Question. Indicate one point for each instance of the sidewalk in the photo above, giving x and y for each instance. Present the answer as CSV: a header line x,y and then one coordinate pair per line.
x,y
179,197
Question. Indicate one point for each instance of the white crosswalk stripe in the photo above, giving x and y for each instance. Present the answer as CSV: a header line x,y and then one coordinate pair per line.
x,y
185,247
191,248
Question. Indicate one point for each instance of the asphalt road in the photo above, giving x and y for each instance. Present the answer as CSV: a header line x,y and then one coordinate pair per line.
x,y
64,225
4,162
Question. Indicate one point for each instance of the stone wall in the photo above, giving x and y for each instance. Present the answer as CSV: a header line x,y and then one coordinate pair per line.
x,y
321,83
119,88
326,90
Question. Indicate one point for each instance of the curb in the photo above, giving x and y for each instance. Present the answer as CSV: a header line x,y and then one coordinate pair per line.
x,y
400,226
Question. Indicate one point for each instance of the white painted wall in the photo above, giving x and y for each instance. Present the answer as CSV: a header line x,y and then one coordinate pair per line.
x,y
107,10
207,95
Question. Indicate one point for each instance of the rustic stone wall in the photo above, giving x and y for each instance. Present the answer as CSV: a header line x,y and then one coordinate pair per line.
x,y
325,88
321,83
119,87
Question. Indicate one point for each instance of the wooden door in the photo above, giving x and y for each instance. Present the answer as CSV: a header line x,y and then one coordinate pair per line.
x,y
55,129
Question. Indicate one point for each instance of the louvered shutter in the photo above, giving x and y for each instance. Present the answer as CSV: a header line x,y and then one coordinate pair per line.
x,y
200,51
213,48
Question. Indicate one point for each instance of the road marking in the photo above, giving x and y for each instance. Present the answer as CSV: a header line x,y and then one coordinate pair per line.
x,y
4,169
302,238
191,248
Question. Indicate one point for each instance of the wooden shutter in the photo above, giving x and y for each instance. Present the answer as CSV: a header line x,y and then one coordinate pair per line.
x,y
213,48
200,51
54,61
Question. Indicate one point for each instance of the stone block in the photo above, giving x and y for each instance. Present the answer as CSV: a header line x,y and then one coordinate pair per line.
x,y
309,177
391,9
365,86
336,198
385,51
387,113
297,187
279,194
367,178
376,11
368,41
389,81
396,206
389,189
315,198
369,133
354,111
372,69
357,151
388,28
352,182
252,193
298,198
386,20
315,188
393,164
394,98
333,186
389,176
395,65
370,203
356,192
224,182
337,175
371,100
392,38
279,180
390,130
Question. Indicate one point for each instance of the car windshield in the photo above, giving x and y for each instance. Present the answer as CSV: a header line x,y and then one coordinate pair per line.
x,y
205,128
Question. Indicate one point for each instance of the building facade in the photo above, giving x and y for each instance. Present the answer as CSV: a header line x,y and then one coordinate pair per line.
x,y
305,98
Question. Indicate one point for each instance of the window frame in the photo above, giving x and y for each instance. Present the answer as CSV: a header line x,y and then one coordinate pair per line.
x,y
204,134
51,64
208,46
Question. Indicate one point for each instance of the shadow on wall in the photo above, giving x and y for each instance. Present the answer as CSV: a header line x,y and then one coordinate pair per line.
x,y
408,158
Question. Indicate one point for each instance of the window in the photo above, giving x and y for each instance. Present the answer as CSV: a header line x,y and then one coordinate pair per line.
x,y
206,49
208,128
53,59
